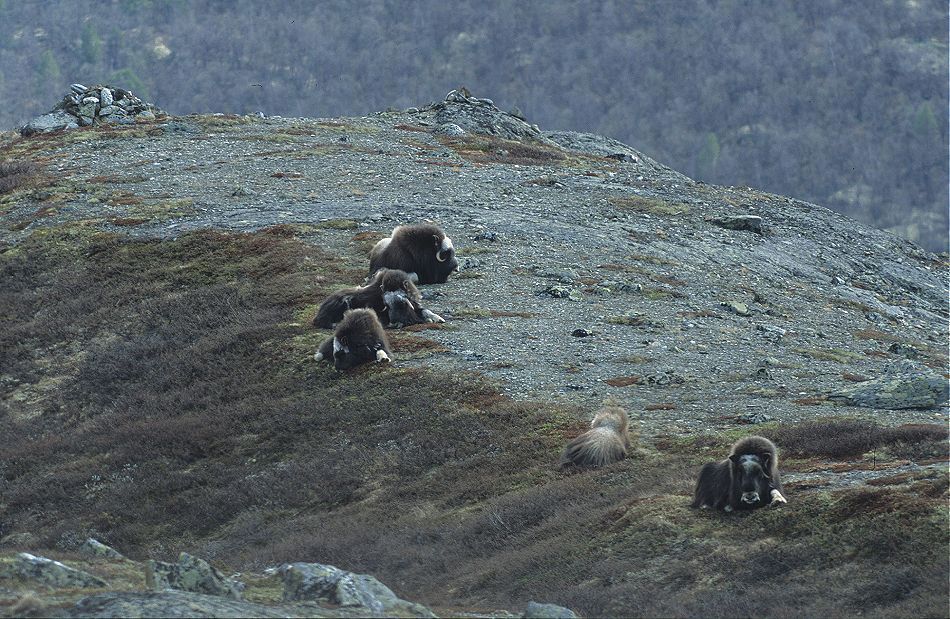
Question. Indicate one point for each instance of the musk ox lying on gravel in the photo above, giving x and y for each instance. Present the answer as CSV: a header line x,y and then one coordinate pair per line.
x,y
607,440
358,339
423,249
747,479
390,293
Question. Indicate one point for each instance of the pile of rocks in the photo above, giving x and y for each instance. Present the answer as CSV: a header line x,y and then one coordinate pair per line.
x,y
83,106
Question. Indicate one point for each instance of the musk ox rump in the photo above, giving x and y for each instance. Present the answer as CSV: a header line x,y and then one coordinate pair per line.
x,y
358,339
420,249
747,479
606,442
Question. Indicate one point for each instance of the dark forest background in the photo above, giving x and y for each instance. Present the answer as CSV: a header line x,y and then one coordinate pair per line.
x,y
839,102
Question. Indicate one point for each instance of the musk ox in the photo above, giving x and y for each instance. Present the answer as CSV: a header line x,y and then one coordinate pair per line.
x,y
606,442
423,249
390,293
747,479
358,339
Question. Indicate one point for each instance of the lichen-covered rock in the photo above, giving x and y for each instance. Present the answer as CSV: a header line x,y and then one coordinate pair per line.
x,y
94,548
190,574
179,604
41,570
537,610
53,121
313,581
897,391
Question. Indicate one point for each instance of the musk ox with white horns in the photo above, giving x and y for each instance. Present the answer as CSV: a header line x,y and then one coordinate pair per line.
x,y
390,293
747,479
423,249
358,339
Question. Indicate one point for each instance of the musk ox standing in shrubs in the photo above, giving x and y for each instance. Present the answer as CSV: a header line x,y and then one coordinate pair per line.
x,y
390,293
747,479
607,441
423,249
358,339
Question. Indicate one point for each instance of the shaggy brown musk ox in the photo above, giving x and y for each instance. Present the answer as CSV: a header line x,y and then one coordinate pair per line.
x,y
423,249
358,339
747,479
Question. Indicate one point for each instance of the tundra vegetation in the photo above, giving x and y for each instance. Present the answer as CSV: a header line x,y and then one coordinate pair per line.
x,y
158,396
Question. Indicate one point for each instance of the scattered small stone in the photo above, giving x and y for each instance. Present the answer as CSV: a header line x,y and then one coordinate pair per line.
x,y
763,374
565,276
466,263
582,333
737,308
450,130
751,417
491,237
562,292
623,157
664,379
752,223
537,610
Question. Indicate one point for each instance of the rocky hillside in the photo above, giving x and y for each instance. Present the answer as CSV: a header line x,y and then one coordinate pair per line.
x,y
158,282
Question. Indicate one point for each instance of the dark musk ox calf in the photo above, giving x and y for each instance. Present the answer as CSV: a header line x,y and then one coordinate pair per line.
x,y
390,293
747,479
423,249
358,339
607,441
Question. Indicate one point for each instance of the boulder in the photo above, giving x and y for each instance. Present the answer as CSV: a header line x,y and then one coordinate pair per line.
x,y
53,121
41,570
904,386
94,548
325,583
190,574
537,610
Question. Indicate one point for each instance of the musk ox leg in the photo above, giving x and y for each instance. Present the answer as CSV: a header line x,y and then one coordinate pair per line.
x,y
413,277
777,498
382,357
318,356
431,316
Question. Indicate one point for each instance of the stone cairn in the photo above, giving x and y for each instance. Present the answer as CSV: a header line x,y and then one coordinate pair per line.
x,y
83,106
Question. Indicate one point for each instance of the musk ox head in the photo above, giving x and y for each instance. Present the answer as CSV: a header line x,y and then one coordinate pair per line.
x,y
445,251
751,480
402,309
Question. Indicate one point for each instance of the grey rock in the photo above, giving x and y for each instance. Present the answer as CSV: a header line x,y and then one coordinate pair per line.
x,y
41,570
105,97
475,116
565,276
466,263
753,417
313,581
85,121
107,110
450,129
562,292
190,574
183,604
95,548
903,388
601,146
491,237
736,307
665,379
537,610
582,333
146,115
53,121
751,223
79,89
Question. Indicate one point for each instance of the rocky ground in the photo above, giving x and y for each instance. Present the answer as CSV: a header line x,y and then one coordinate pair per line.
x,y
589,271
